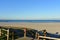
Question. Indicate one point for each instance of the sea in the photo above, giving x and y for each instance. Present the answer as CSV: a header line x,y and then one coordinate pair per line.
x,y
33,21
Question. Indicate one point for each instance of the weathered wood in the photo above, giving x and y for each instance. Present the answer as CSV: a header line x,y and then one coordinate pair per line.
x,y
38,36
12,35
8,34
50,38
4,29
0,31
25,33
44,31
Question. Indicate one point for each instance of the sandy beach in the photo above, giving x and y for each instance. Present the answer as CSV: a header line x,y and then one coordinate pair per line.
x,y
50,27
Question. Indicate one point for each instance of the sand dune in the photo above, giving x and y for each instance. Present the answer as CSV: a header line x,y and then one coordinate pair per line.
x,y
50,27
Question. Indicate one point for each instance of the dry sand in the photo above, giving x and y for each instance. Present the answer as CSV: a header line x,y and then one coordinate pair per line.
x,y
50,27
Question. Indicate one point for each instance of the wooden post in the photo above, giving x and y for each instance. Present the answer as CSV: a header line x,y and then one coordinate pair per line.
x,y
24,32
12,35
44,33
38,36
0,31
8,34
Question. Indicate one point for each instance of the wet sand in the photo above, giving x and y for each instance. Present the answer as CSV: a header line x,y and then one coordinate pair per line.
x,y
50,27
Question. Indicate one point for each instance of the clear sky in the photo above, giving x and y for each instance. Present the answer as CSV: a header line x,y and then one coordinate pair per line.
x,y
30,9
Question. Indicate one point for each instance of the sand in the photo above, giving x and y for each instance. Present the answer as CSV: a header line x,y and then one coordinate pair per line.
x,y
50,27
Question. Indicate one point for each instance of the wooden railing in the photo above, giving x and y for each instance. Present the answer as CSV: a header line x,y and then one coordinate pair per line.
x,y
7,35
37,36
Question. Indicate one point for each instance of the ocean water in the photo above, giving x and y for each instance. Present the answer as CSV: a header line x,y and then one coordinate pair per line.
x,y
38,21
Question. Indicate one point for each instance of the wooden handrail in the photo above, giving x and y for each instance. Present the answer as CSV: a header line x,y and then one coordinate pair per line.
x,y
43,37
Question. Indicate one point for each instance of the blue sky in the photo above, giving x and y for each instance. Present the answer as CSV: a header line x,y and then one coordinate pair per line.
x,y
29,9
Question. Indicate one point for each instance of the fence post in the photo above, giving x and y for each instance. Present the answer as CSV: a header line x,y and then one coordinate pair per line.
x,y
8,34
24,32
0,31
38,36
12,35
44,31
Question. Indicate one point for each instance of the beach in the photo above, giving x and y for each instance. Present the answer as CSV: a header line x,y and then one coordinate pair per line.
x,y
52,27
